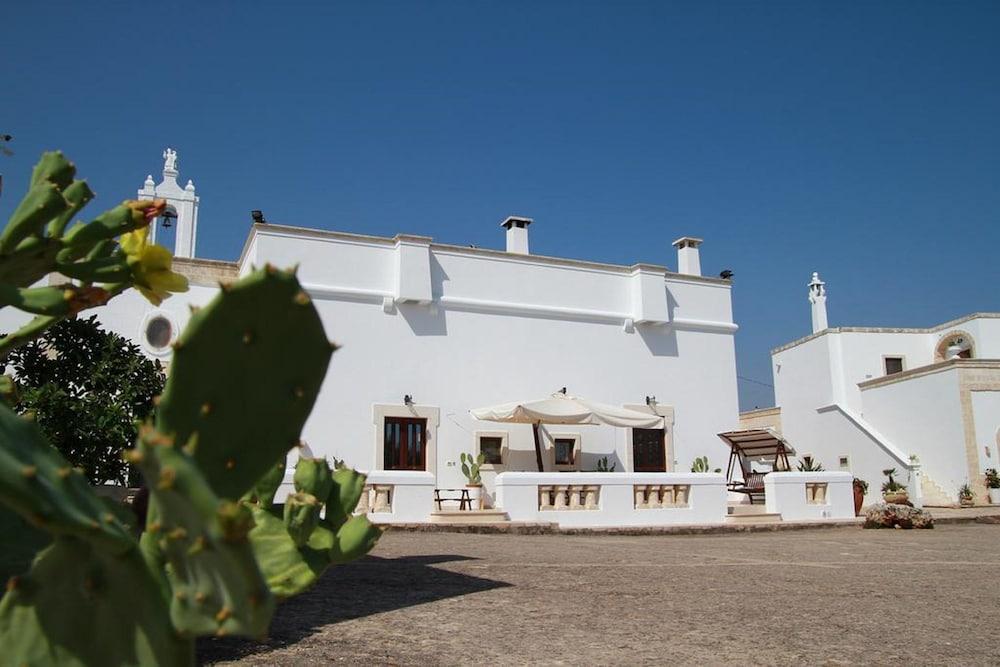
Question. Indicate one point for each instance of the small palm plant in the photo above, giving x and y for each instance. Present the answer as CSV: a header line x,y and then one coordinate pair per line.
x,y
810,464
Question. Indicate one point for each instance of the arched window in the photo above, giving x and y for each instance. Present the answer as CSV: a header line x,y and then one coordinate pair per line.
x,y
955,345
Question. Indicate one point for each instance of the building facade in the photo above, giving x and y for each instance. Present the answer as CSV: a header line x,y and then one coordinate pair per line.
x,y
429,331
923,401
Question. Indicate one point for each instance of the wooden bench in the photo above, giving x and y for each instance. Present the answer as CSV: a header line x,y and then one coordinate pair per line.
x,y
752,485
463,499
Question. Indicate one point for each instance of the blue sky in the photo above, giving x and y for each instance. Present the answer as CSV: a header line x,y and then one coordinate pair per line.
x,y
858,139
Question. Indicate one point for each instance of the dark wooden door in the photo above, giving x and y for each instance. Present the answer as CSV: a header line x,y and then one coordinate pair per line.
x,y
405,443
649,452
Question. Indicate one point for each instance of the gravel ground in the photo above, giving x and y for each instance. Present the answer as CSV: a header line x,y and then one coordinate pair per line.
x,y
841,596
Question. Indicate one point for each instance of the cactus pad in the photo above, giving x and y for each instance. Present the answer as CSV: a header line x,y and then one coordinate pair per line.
x,y
217,587
83,606
37,482
244,378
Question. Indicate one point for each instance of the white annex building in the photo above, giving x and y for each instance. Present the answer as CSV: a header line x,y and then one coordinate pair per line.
x,y
923,401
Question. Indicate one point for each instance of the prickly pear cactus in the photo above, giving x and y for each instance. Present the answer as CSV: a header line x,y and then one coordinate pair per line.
x,y
293,552
35,243
244,378
92,577
216,586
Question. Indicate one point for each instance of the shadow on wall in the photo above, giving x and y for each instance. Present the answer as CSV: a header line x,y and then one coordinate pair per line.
x,y
369,586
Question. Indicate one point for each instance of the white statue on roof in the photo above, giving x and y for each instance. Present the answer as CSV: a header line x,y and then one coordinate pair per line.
x,y
169,160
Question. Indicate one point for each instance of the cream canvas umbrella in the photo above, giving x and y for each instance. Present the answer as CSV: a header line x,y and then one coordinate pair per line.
x,y
561,408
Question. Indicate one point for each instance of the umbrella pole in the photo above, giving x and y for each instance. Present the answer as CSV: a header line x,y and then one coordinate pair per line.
x,y
538,447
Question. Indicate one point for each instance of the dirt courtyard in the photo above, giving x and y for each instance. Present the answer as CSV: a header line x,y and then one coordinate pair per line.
x,y
835,596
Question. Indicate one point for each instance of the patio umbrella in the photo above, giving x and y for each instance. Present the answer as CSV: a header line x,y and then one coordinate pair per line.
x,y
561,408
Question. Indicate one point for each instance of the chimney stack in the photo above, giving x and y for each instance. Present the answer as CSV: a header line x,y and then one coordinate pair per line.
x,y
817,297
517,234
688,261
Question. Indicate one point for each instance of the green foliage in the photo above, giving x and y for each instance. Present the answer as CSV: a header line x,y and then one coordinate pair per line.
x,y
216,552
965,493
891,486
471,466
87,388
809,464
861,484
701,465
602,465
992,478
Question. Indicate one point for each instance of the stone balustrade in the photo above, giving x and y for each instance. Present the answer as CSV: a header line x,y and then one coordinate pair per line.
x,y
568,497
653,496
612,499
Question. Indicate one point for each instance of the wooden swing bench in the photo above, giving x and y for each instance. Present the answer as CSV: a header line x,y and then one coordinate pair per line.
x,y
757,443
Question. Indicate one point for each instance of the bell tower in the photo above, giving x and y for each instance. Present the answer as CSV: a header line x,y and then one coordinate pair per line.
x,y
182,206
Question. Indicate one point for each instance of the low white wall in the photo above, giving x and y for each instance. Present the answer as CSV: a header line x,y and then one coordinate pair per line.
x,y
785,494
411,498
518,495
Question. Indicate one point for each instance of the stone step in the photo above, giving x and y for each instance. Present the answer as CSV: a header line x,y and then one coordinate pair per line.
x,y
758,517
735,509
469,516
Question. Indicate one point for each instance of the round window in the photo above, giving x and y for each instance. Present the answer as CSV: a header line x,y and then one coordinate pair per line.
x,y
159,332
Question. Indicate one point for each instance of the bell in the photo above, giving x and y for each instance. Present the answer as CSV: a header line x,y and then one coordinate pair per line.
x,y
165,220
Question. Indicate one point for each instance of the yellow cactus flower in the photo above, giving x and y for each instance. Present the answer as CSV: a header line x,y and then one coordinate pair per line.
x,y
150,266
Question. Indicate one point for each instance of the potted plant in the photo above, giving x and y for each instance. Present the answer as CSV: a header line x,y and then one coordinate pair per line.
x,y
810,465
470,468
965,497
860,491
893,492
993,485
701,465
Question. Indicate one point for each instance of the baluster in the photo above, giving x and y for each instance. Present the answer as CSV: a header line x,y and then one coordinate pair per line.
x,y
383,500
574,498
640,496
545,497
363,502
681,493
653,496
560,499
821,494
591,502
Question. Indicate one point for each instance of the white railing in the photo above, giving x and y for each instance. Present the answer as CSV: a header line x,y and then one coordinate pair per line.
x,y
612,499
802,496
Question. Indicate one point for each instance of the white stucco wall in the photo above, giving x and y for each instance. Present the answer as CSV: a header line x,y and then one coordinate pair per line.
x,y
500,328
923,415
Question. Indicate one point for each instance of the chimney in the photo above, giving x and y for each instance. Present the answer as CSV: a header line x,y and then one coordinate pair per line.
x,y
688,261
517,234
817,297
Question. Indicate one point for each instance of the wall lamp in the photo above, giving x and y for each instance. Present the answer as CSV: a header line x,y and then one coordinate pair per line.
x,y
651,401
407,400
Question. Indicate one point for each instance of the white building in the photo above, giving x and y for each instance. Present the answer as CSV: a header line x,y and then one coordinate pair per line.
x,y
923,401
429,331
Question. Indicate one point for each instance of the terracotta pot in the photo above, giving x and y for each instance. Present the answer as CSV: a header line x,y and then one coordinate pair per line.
x,y
859,499
896,497
966,502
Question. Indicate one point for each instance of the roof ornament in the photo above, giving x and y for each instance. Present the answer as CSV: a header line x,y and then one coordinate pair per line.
x,y
170,161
